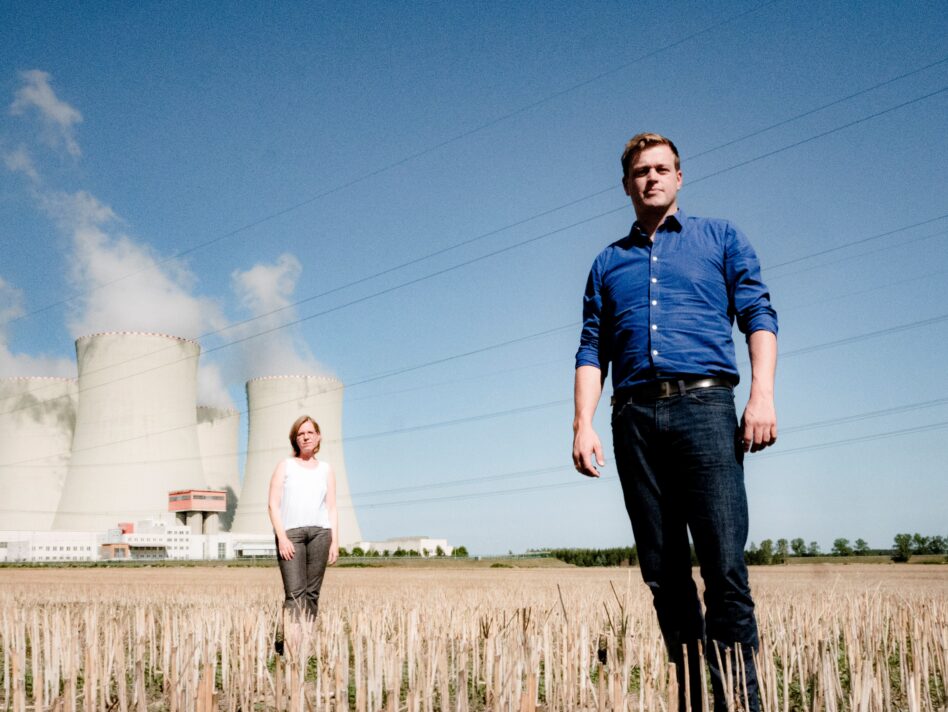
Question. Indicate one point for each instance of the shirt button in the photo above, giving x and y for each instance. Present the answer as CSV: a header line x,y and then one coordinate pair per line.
x,y
654,258
655,353
654,280
654,302
654,327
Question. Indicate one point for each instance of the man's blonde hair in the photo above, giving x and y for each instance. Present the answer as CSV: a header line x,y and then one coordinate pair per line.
x,y
639,143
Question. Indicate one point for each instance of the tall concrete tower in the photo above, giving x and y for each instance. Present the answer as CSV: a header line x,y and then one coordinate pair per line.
x,y
37,417
136,429
274,403
218,432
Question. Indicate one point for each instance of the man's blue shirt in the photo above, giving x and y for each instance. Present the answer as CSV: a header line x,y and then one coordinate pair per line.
x,y
666,308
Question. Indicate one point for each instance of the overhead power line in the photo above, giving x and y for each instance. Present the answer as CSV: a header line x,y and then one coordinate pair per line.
x,y
820,135
522,243
584,481
795,352
860,241
509,248
821,107
339,187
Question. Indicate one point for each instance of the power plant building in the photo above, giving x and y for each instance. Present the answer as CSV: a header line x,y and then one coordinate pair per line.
x,y
80,457
136,435
274,403
37,417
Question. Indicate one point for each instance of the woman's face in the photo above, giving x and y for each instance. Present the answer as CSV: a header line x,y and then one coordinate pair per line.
x,y
307,438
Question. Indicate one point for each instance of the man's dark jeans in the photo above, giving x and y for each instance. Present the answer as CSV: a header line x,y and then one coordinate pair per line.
x,y
303,574
680,461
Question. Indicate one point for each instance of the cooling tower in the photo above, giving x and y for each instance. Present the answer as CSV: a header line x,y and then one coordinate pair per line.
x,y
218,431
37,417
136,430
273,404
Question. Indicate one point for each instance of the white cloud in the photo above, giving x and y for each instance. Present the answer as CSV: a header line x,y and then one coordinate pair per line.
x,y
58,117
17,364
76,211
265,291
20,161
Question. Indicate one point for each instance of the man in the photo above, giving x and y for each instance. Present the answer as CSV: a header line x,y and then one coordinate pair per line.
x,y
659,306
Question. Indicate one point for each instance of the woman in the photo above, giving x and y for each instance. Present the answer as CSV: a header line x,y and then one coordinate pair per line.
x,y
302,507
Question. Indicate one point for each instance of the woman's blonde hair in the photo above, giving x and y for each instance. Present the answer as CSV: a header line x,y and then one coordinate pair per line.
x,y
295,430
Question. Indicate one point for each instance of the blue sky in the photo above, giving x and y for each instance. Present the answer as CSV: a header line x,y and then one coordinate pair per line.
x,y
238,159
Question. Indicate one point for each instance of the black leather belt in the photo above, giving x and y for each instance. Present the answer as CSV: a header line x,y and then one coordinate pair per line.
x,y
656,390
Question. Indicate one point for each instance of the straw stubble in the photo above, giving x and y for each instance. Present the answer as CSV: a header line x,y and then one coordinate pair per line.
x,y
832,638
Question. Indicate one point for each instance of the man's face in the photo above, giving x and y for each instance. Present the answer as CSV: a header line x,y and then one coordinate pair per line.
x,y
653,181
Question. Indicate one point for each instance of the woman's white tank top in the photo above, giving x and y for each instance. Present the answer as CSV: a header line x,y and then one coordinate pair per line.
x,y
304,495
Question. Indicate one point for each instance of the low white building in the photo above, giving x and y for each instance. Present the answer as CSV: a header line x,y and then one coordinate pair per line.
x,y
150,540
425,546
50,546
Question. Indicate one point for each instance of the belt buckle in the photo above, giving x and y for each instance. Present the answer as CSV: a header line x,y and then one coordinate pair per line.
x,y
667,389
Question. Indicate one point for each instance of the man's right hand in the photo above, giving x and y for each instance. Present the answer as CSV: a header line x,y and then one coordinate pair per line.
x,y
586,446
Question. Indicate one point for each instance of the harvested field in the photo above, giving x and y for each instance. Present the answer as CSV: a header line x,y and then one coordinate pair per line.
x,y
855,637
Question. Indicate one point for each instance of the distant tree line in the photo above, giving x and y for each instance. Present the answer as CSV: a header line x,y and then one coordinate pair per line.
x,y
904,546
459,552
619,556
908,544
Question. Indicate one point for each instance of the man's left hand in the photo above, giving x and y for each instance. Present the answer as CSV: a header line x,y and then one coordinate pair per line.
x,y
759,424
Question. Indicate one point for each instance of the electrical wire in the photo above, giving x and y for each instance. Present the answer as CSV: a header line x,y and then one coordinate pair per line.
x,y
508,248
413,156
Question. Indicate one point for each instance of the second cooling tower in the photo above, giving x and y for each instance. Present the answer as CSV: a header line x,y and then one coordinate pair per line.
x,y
37,416
273,404
136,429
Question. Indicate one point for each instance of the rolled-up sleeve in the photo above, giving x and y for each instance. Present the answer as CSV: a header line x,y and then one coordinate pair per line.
x,y
594,338
747,293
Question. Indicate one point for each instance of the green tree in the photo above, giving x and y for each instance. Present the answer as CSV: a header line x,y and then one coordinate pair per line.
x,y
813,549
460,552
841,547
439,551
861,547
760,555
358,551
782,552
400,552
342,551
902,551
937,545
919,544
798,546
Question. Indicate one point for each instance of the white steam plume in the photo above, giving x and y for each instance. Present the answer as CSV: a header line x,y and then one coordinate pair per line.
x,y
262,290
122,283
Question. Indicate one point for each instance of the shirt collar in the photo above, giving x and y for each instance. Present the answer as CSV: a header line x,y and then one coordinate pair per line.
x,y
673,223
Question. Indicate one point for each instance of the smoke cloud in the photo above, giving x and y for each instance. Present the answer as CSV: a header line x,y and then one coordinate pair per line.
x,y
265,292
